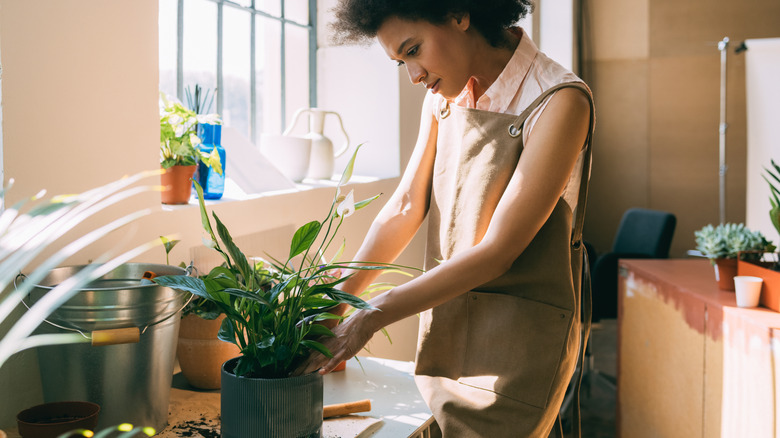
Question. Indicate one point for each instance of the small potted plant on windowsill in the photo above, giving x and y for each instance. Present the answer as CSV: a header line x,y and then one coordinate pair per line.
x,y
725,243
179,152
276,315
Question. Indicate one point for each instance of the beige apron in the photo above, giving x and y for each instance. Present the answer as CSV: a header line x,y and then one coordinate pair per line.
x,y
496,361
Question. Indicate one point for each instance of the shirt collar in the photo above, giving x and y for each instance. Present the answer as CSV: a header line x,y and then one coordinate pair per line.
x,y
501,92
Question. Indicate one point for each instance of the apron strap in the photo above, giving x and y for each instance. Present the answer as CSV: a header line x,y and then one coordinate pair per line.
x,y
515,130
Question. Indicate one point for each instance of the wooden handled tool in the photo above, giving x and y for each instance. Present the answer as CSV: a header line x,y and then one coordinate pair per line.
x,y
339,409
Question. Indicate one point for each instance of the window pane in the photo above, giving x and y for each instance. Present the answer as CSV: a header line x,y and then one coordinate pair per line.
x,y
246,3
273,7
235,69
167,31
269,76
297,65
297,11
200,46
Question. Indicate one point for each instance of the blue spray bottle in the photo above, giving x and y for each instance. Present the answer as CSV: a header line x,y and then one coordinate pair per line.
x,y
213,183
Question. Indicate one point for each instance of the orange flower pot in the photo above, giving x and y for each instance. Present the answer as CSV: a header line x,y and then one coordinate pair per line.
x,y
770,291
727,270
177,184
201,354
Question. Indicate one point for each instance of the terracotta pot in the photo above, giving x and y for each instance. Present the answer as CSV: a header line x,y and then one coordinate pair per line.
x,y
726,271
770,293
177,184
341,367
51,420
201,354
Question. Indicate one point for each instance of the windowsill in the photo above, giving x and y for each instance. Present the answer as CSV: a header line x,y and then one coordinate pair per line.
x,y
234,194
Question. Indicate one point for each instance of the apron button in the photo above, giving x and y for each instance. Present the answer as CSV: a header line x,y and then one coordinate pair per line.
x,y
563,316
474,297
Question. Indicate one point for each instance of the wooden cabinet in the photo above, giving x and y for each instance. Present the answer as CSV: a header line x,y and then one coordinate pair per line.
x,y
691,363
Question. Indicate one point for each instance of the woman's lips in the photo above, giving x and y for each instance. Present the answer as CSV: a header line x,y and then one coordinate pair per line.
x,y
435,86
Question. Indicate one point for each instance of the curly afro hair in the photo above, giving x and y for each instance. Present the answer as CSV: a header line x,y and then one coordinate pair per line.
x,y
357,21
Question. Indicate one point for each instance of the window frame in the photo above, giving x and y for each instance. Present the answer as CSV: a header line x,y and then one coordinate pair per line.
x,y
253,10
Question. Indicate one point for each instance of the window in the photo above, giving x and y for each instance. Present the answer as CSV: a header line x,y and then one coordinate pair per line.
x,y
259,54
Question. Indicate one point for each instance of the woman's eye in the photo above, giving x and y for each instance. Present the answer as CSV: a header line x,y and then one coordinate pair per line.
x,y
412,51
400,63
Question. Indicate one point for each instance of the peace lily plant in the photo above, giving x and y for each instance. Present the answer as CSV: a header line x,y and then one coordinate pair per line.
x,y
274,310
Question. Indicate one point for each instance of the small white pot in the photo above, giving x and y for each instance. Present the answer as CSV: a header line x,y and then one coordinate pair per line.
x,y
748,290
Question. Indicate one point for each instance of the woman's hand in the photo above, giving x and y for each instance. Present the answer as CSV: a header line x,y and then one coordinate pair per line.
x,y
351,335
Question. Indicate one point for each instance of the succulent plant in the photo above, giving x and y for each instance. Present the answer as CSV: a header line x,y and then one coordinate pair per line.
x,y
728,240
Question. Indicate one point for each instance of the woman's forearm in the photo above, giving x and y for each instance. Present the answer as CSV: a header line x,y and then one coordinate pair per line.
x,y
387,237
454,277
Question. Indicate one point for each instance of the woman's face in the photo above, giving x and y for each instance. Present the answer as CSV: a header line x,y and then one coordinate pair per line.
x,y
434,55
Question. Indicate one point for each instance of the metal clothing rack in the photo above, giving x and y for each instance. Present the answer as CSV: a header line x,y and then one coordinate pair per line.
x,y
723,126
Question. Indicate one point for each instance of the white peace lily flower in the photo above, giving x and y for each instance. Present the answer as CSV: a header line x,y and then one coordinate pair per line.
x,y
208,243
347,206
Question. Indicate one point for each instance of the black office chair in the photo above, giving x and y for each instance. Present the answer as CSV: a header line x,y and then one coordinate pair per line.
x,y
642,234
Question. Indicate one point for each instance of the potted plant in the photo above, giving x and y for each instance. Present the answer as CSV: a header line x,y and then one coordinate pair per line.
x,y
199,351
179,152
774,200
768,270
273,313
724,243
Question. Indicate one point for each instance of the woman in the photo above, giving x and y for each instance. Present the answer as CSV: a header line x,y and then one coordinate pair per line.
x,y
499,332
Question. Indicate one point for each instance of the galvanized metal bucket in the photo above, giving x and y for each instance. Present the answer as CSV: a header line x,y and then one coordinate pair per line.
x,y
130,381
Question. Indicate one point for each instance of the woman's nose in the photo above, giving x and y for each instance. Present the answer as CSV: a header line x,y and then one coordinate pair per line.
x,y
416,73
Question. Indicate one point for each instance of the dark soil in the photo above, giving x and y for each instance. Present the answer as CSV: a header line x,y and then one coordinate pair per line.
x,y
197,428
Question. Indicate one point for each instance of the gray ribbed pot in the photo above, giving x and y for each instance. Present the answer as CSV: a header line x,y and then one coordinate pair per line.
x,y
270,408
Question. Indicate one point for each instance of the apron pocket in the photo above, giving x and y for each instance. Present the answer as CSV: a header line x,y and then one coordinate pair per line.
x,y
514,346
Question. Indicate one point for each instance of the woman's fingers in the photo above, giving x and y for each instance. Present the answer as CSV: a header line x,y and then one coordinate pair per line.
x,y
350,337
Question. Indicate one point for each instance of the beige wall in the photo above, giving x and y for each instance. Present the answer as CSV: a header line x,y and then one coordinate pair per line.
x,y
79,101
654,69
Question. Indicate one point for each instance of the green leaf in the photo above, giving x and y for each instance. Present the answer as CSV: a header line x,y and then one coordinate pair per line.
x,y
282,353
326,316
350,299
214,162
317,303
192,285
317,330
243,366
365,202
347,174
248,295
204,217
222,272
314,345
304,237
228,331
239,259
278,288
